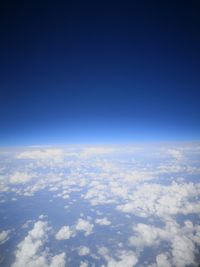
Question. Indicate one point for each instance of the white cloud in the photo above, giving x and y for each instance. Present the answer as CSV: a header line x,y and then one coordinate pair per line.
x,y
176,154
103,221
182,241
145,235
163,200
20,178
162,261
30,252
4,236
183,251
127,258
55,154
58,260
96,151
139,176
83,225
84,264
83,251
42,216
127,182
124,258
27,223
64,233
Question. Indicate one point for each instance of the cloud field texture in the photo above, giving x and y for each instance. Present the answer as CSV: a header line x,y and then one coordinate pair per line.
x,y
115,206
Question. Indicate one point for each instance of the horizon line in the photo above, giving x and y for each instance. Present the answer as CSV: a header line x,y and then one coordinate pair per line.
x,y
119,143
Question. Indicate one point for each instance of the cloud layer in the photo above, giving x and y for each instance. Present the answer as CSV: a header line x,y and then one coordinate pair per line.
x,y
101,205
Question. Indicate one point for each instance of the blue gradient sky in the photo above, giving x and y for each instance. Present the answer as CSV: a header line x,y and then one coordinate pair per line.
x,y
98,72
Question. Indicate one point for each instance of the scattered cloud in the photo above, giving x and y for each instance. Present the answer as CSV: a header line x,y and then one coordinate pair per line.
x,y
31,252
103,221
124,258
43,154
176,154
58,260
64,233
84,264
182,241
85,226
96,151
4,236
163,200
83,251
155,185
20,178
162,261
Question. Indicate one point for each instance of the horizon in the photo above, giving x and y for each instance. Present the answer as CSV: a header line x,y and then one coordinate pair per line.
x,y
131,143
142,144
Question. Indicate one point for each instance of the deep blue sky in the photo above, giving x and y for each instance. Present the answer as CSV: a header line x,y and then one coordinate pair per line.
x,y
99,71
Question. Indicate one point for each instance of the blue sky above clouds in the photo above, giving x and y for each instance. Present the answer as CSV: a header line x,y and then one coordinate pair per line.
x,y
99,134
90,72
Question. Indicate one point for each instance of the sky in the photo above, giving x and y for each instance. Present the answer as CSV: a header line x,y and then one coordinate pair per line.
x,y
99,71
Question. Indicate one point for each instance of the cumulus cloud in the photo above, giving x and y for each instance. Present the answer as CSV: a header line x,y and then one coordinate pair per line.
x,y
176,154
30,251
124,258
83,251
20,177
127,258
162,261
4,236
163,200
182,240
67,232
103,221
145,235
96,151
135,184
64,233
139,176
43,154
85,226
84,264
58,260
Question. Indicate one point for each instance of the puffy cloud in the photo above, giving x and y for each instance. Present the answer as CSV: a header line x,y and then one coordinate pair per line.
x,y
67,232
30,251
4,236
183,250
51,158
96,151
55,154
99,195
83,251
139,176
64,233
176,154
162,261
145,235
85,226
58,260
42,216
139,184
163,200
182,241
103,221
26,253
127,258
20,178
84,264
124,258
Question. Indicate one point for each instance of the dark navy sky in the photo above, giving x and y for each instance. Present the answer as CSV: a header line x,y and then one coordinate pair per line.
x,y
99,71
